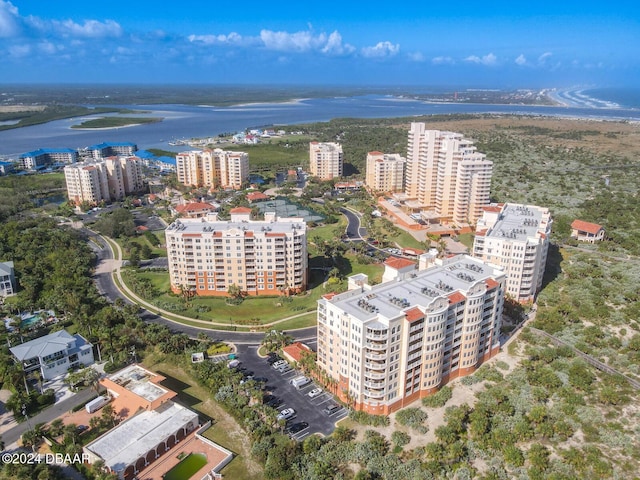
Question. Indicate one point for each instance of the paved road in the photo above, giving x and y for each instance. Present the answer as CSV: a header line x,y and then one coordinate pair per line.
x,y
13,434
106,286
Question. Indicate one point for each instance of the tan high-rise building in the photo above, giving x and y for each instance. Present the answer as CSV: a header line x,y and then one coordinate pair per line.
x,y
447,175
266,257
385,172
213,168
325,160
104,180
389,344
515,238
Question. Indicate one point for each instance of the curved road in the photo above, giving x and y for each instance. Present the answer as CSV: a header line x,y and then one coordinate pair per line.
x,y
106,286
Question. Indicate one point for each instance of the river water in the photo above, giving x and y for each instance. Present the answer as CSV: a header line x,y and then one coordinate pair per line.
x,y
186,121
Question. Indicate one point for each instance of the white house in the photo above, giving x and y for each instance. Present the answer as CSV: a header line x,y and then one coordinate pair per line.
x,y
54,354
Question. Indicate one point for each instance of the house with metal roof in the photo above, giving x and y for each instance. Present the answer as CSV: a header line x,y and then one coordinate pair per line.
x,y
7,279
54,354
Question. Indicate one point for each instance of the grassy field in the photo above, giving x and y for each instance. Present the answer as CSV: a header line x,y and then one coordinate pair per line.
x,y
259,310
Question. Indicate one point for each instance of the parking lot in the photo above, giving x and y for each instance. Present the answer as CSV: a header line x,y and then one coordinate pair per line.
x,y
309,410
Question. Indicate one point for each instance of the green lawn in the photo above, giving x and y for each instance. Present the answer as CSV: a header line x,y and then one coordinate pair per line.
x,y
466,239
406,240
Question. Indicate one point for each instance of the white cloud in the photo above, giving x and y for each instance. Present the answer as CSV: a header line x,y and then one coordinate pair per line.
x,y
9,20
381,50
521,60
89,29
292,42
49,48
19,51
489,60
442,61
221,39
543,58
416,57
334,45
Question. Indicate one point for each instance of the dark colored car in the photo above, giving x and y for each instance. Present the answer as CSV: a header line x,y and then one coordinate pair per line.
x,y
331,409
272,401
273,358
297,427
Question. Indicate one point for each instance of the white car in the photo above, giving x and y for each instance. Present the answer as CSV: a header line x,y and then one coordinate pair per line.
x,y
286,414
278,364
315,392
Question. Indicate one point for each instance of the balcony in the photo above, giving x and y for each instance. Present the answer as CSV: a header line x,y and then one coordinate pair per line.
x,y
376,365
376,346
371,375
374,394
377,336
375,385
375,356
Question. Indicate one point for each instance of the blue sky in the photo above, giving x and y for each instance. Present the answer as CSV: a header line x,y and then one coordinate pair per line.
x,y
483,44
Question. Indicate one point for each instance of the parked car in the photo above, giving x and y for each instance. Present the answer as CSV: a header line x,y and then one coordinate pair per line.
x,y
272,401
300,382
315,392
278,364
297,427
285,367
331,409
286,414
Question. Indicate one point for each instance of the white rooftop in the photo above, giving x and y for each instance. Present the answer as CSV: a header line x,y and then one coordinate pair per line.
x,y
136,436
202,225
137,380
520,222
391,299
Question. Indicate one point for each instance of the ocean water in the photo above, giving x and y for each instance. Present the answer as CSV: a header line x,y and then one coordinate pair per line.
x,y
622,97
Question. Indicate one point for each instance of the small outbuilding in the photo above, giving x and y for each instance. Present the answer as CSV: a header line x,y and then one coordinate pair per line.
x,y
586,231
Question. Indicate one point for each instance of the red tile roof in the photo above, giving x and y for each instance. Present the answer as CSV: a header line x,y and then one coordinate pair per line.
x,y
482,233
398,263
582,226
413,314
240,210
375,152
295,350
491,283
456,297
329,296
255,196
493,208
195,207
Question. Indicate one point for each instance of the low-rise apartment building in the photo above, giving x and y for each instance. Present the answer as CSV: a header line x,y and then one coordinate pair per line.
x,y
213,168
112,149
44,157
326,160
387,345
385,172
261,257
515,238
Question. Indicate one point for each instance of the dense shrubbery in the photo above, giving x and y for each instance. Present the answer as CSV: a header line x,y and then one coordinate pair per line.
x,y
438,399
365,418
414,418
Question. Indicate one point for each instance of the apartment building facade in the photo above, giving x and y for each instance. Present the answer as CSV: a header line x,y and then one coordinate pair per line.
x,y
387,345
213,168
261,257
446,174
44,157
385,172
326,160
515,238
103,180
112,149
